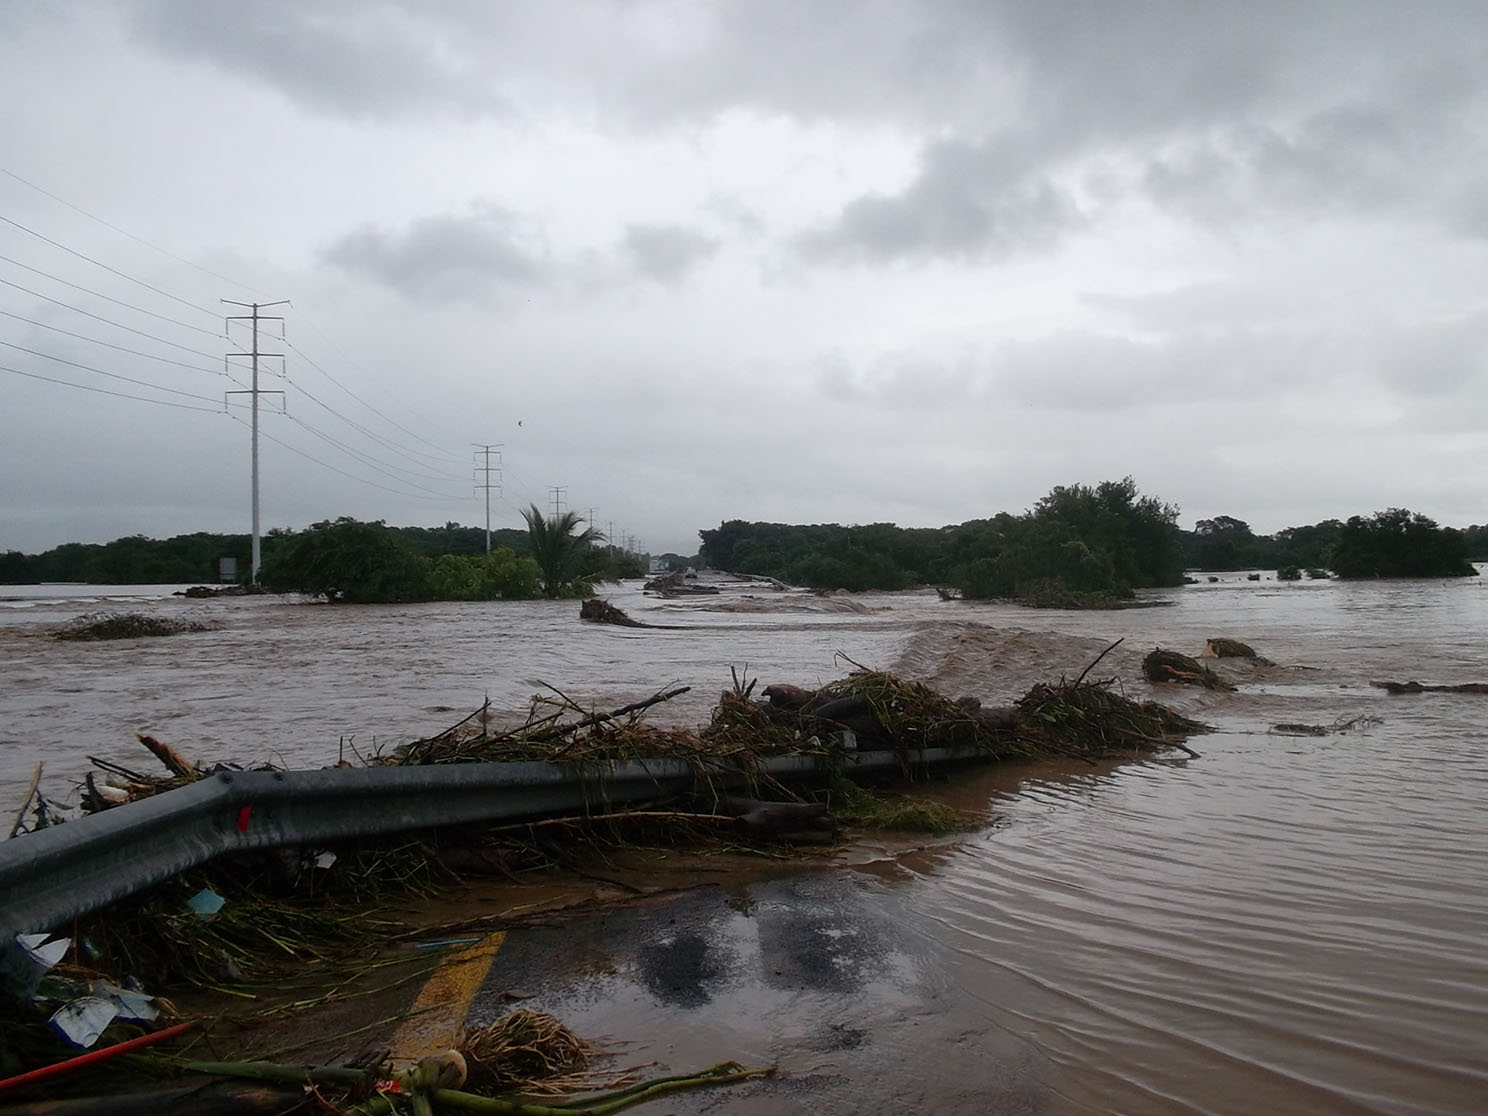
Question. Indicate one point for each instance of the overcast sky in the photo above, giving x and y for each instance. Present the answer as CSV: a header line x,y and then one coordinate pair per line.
x,y
782,259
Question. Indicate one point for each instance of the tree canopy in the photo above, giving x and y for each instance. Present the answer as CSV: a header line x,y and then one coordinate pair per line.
x,y
1078,545
565,556
1399,543
371,563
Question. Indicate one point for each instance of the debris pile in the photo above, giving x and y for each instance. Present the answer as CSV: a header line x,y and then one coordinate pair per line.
x,y
532,1052
1174,666
1426,688
126,625
605,613
1339,727
246,925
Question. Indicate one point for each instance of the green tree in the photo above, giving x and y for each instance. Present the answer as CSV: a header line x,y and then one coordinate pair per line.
x,y
502,574
348,560
1138,533
1224,543
560,552
1399,543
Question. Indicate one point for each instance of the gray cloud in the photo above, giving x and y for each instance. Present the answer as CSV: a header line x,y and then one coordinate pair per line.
x,y
1095,239
665,253
445,258
960,207
1350,159
341,56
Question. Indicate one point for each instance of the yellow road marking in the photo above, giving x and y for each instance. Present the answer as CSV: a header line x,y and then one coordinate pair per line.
x,y
434,1021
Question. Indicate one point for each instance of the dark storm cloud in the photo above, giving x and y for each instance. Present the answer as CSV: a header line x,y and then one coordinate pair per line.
x,y
665,253
445,258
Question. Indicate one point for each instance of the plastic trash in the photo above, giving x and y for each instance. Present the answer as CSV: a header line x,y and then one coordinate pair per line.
x,y
29,958
206,903
128,1003
83,1020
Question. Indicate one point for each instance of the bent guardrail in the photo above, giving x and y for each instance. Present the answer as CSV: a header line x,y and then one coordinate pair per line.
x,y
63,872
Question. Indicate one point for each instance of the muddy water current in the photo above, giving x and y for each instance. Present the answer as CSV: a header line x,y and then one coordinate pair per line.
x,y
1285,924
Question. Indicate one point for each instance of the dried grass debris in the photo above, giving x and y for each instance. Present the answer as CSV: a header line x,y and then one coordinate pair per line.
x,y
95,626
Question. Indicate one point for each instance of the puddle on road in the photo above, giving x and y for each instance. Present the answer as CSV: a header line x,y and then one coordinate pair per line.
x,y
822,973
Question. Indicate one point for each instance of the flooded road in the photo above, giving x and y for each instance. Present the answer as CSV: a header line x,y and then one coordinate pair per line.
x,y
1286,923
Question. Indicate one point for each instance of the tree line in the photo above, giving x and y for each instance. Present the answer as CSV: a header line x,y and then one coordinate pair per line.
x,y
1078,545
353,560
1391,543
1081,546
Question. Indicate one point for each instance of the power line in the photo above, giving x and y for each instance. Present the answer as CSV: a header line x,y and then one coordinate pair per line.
x,y
334,469
370,433
110,375
111,345
106,391
392,422
525,488
107,321
254,392
342,354
484,450
122,232
106,267
363,458
106,298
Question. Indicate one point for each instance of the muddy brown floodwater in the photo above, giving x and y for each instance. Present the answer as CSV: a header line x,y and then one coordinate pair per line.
x,y
1284,924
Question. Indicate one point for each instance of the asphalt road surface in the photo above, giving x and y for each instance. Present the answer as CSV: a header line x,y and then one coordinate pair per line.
x,y
825,974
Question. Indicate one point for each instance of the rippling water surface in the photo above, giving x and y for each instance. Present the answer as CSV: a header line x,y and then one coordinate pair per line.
x,y
1285,924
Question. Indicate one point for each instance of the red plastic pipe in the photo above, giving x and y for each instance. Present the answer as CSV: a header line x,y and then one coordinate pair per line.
x,y
93,1056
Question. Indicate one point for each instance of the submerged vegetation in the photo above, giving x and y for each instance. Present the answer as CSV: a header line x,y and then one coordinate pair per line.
x,y
1390,543
370,563
181,559
1079,546
1399,543
567,560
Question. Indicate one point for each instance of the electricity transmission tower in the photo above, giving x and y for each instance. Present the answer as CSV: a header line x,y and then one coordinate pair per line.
x,y
483,473
556,491
255,355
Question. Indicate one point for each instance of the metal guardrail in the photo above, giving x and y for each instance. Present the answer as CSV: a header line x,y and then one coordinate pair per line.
x,y
58,874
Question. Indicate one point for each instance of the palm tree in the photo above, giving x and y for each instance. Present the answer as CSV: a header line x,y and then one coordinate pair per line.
x,y
557,549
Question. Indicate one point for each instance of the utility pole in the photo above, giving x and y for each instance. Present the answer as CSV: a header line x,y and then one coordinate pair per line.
x,y
483,478
255,355
590,521
610,538
557,491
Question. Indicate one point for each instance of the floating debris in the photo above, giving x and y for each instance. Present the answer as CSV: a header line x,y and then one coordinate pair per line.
x,y
1338,727
126,625
1219,648
1424,688
602,612
532,1052
1173,666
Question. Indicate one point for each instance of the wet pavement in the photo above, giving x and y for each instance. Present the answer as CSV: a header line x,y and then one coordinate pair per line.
x,y
824,974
